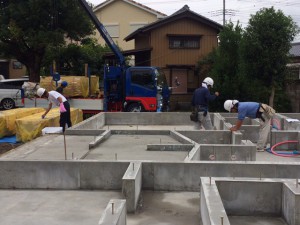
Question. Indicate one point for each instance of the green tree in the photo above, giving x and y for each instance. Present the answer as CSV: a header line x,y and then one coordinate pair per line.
x,y
264,50
28,28
222,65
70,59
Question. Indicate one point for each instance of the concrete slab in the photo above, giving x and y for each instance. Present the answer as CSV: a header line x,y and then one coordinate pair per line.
x,y
167,208
35,207
134,147
250,220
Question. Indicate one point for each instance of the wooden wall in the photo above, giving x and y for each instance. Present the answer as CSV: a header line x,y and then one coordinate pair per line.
x,y
162,55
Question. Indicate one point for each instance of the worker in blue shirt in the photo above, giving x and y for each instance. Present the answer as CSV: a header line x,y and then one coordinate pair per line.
x,y
252,110
200,100
63,85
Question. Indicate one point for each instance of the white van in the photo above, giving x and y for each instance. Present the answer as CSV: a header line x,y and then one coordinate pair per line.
x,y
11,93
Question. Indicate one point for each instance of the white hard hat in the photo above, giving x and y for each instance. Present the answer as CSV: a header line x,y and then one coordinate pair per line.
x,y
228,104
40,91
209,81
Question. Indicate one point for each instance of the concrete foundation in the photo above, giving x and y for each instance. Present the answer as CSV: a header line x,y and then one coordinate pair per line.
x,y
223,199
169,157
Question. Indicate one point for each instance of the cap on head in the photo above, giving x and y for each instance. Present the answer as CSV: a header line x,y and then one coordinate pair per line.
x,y
64,84
40,92
209,81
228,104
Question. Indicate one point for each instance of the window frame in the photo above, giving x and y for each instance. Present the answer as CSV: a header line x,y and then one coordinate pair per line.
x,y
184,41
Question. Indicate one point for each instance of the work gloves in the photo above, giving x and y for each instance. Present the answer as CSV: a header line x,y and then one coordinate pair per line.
x,y
62,108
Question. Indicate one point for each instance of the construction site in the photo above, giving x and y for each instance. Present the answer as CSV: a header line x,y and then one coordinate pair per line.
x,y
154,169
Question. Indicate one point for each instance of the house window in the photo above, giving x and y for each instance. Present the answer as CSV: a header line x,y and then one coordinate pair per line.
x,y
135,26
113,30
184,42
17,65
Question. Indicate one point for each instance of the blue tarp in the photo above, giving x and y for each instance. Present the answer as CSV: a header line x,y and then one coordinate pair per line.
x,y
10,139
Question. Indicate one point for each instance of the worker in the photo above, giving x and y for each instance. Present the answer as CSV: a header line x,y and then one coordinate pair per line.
x,y
200,100
252,110
59,100
63,85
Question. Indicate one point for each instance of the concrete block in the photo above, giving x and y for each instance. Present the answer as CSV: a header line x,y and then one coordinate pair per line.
x,y
148,118
105,135
250,132
227,126
228,152
180,137
291,201
194,154
277,122
211,206
282,136
218,121
105,175
95,122
83,132
132,186
169,147
39,175
140,132
248,197
208,136
236,137
114,213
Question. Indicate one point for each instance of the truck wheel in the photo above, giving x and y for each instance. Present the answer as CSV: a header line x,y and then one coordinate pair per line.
x,y
135,107
8,103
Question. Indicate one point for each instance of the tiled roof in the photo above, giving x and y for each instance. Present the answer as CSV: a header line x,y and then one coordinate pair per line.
x,y
184,12
295,50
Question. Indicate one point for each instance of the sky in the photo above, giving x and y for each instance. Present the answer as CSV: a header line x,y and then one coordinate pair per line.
x,y
236,10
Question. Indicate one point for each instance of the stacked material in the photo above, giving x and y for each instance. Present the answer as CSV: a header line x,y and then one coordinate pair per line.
x,y
78,86
8,118
30,127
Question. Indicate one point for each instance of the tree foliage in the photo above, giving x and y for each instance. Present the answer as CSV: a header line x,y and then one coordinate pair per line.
x,y
223,64
249,64
28,28
264,50
70,59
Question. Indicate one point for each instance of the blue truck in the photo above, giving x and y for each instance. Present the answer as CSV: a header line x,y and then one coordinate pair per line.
x,y
130,88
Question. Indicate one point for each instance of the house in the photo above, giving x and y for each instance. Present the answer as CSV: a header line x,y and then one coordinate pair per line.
x,y
176,43
122,17
11,68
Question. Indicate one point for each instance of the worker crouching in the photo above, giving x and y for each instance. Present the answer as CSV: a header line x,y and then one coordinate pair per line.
x,y
59,100
252,110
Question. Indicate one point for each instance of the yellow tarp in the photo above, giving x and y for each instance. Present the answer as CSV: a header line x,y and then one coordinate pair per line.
x,y
78,86
31,127
8,118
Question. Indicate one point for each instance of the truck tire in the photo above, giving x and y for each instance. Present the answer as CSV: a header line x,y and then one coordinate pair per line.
x,y
8,103
135,107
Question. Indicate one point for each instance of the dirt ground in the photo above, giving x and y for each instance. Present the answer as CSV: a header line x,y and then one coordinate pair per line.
x,y
5,147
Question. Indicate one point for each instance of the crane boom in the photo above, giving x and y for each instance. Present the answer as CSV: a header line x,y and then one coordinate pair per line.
x,y
100,27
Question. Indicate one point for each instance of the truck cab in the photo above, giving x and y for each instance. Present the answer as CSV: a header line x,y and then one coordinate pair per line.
x,y
137,89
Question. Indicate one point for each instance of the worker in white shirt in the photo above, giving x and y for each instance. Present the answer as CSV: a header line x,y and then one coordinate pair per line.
x,y
59,100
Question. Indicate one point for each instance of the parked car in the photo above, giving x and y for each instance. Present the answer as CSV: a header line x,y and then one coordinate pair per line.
x,y
11,93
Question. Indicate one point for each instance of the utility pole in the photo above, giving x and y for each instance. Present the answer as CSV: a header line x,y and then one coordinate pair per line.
x,y
223,12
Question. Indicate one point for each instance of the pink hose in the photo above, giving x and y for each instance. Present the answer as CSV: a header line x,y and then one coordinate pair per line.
x,y
282,155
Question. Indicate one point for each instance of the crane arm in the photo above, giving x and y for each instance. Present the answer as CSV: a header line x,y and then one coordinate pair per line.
x,y
100,27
